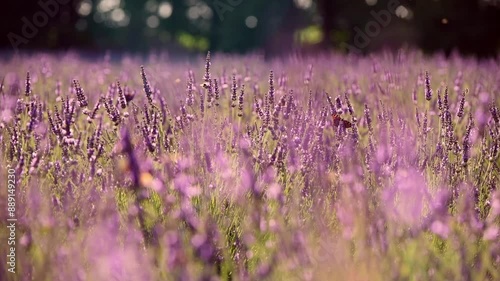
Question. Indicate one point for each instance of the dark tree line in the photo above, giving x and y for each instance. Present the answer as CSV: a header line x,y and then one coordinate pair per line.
x,y
470,26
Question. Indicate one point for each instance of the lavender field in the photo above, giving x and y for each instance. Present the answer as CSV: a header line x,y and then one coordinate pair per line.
x,y
331,167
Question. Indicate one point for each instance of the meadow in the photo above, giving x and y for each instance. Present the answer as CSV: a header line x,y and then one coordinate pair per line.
x,y
331,167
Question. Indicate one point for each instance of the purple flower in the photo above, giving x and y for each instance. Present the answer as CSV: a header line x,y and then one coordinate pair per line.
x,y
28,85
428,90
147,87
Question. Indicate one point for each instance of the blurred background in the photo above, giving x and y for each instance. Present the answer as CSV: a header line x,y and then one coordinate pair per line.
x,y
274,27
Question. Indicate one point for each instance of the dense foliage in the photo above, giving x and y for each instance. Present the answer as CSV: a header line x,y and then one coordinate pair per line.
x,y
234,169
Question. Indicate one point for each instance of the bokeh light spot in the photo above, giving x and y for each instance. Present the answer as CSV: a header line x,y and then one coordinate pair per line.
x,y
303,4
118,15
165,10
107,5
84,8
402,12
192,13
200,10
310,35
251,22
153,22
151,6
